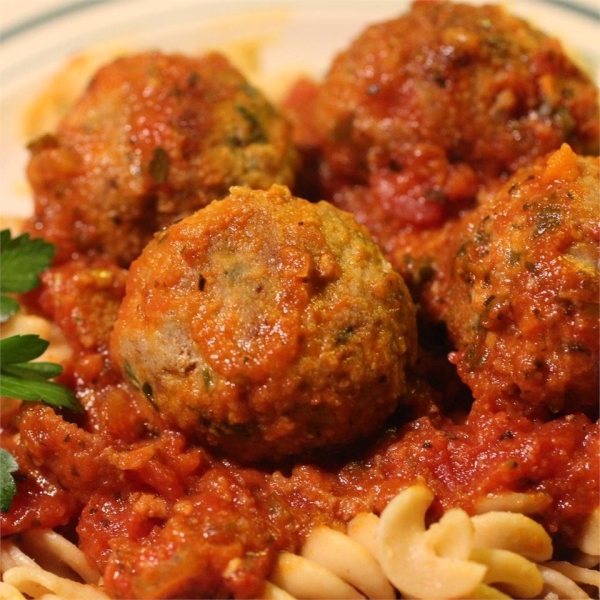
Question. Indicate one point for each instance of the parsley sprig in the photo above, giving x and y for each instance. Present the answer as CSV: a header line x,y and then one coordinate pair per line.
x,y
23,259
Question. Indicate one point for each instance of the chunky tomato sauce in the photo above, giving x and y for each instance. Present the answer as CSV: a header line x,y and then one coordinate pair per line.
x,y
144,500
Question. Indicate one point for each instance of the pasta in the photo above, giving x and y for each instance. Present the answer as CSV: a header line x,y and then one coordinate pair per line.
x,y
443,549
513,532
559,586
60,570
494,555
348,559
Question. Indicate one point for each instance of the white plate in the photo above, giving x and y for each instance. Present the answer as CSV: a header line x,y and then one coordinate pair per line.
x,y
38,37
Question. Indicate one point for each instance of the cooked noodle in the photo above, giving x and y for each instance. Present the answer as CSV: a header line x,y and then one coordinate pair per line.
x,y
510,548
505,550
44,564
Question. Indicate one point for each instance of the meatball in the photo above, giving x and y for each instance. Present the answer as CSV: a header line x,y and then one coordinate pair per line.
x,y
422,112
267,326
523,292
153,138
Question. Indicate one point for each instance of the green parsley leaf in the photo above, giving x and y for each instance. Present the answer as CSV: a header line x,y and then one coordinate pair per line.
x,y
36,371
21,348
8,487
27,380
8,307
44,391
23,260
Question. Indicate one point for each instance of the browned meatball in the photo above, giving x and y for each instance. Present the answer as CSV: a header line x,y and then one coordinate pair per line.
x,y
522,298
153,138
267,325
421,112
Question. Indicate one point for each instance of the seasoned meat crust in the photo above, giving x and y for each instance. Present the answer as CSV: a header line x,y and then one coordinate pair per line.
x,y
422,112
522,294
267,325
153,138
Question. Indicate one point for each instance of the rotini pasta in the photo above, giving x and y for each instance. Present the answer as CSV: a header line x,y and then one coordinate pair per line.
x,y
349,560
501,555
514,532
304,578
492,555
433,562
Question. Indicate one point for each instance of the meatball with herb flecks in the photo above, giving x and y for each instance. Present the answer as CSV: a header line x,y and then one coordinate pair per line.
x,y
522,293
267,326
422,112
153,138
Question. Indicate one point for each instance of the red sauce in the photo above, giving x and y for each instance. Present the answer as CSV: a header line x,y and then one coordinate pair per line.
x,y
145,500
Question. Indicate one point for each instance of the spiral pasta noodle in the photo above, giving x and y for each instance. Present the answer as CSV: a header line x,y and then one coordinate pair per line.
x,y
498,554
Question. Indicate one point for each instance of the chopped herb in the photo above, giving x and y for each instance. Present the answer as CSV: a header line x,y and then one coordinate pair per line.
x,y
250,90
577,347
159,165
129,373
514,257
344,335
548,218
147,390
226,429
207,377
489,300
257,134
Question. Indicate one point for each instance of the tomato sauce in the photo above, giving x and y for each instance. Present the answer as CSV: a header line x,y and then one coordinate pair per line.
x,y
145,500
